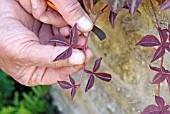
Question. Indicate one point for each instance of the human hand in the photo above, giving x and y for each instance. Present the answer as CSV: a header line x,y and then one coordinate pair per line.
x,y
24,58
70,10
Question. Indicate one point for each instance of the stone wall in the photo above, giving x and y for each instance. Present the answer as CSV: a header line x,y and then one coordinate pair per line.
x,y
129,91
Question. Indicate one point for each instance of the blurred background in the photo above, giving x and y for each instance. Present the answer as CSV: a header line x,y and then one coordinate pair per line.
x,y
129,92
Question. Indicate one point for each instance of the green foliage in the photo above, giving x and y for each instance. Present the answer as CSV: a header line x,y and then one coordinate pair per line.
x,y
14,102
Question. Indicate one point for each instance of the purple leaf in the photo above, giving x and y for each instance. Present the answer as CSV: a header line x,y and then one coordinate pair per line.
x,y
151,109
116,5
149,41
89,4
73,92
133,5
163,35
165,5
166,112
64,84
59,39
112,18
158,78
103,76
72,80
165,107
168,81
64,55
74,35
169,27
97,64
155,68
158,54
160,102
167,46
90,83
88,71
99,33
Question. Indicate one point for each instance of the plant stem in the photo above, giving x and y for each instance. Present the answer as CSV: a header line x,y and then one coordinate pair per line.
x,y
159,89
157,22
86,41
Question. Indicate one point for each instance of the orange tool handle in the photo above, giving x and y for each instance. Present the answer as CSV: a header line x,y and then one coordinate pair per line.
x,y
51,5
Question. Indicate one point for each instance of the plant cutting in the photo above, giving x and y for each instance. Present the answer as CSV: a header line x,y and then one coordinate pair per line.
x,y
113,7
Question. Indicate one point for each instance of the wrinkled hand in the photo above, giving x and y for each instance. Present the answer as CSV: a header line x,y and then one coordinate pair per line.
x,y
70,10
28,58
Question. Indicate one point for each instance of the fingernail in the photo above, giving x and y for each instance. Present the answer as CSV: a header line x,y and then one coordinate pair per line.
x,y
85,24
77,57
34,3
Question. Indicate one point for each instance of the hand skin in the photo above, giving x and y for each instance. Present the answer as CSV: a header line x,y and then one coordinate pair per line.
x,y
28,58
70,11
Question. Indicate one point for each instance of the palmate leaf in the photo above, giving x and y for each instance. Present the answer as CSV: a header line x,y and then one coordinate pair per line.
x,y
149,41
90,83
115,5
112,18
64,55
165,5
158,54
133,5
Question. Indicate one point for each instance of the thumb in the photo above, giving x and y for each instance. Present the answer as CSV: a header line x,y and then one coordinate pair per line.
x,y
72,12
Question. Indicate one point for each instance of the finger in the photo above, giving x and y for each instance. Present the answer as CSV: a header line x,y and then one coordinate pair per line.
x,y
40,12
72,12
26,4
65,31
82,40
44,76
